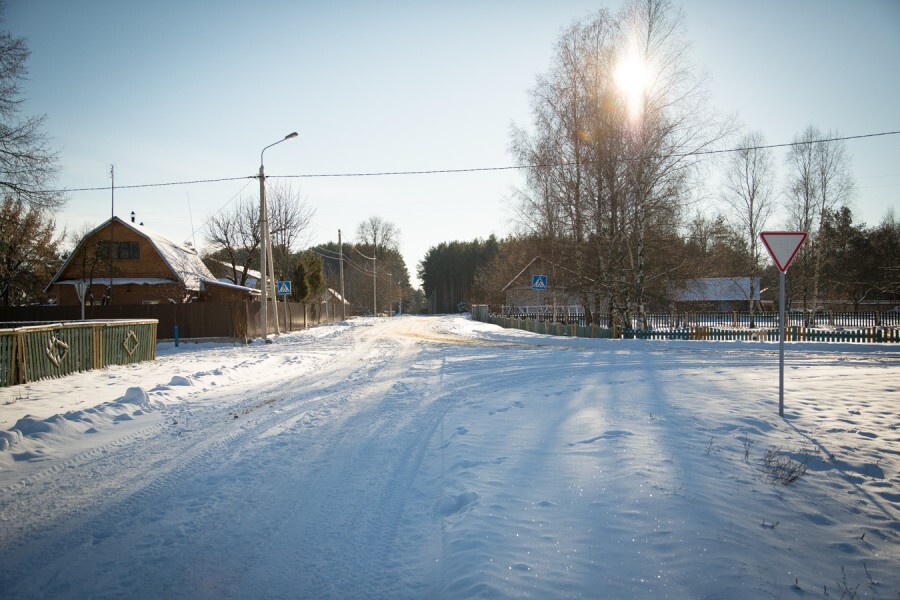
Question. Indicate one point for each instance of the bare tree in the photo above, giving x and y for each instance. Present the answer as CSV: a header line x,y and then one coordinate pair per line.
x,y
233,237
233,234
289,220
378,234
27,164
802,191
748,186
819,181
836,187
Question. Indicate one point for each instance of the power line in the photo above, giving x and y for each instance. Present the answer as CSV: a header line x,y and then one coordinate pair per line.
x,y
150,185
569,164
476,169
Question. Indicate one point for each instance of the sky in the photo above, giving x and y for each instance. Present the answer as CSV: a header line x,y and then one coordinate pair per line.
x,y
174,91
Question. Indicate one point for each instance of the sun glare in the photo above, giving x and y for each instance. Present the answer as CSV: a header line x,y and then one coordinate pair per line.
x,y
632,77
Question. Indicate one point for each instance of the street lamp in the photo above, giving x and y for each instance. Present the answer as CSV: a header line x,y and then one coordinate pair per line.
x,y
264,236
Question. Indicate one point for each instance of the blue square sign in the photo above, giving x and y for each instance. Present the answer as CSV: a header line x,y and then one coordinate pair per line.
x,y
284,288
539,282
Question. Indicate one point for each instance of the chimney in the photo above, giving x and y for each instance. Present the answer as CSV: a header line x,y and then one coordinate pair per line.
x,y
132,216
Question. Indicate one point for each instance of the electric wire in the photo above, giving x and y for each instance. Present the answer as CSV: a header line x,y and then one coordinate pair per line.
x,y
480,169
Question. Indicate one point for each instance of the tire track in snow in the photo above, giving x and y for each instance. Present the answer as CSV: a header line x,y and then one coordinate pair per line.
x,y
143,476
342,539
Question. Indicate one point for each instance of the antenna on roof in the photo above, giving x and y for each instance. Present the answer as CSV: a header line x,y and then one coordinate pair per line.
x,y
112,191
107,296
191,218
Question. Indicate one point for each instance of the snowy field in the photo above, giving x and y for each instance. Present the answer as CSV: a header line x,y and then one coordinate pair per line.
x,y
444,458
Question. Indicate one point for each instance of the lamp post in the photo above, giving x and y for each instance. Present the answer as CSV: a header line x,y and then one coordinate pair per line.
x,y
264,237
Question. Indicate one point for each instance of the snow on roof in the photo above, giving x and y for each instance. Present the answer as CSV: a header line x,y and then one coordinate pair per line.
x,y
718,289
337,296
251,273
120,281
229,285
185,262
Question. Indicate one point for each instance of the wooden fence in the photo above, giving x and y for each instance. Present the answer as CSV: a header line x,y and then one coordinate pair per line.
x,y
737,320
794,333
198,320
58,349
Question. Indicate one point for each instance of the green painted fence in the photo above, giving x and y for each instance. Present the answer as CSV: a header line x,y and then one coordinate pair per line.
x,y
52,350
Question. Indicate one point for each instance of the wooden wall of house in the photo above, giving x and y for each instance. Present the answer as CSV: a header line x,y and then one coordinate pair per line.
x,y
221,293
150,264
121,294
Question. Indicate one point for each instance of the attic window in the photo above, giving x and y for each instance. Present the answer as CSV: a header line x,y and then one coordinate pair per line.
x,y
119,250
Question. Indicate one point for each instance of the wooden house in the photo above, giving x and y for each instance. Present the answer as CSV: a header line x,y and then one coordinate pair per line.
x,y
716,294
123,263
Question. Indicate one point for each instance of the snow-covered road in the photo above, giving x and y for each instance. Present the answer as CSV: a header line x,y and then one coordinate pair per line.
x,y
437,457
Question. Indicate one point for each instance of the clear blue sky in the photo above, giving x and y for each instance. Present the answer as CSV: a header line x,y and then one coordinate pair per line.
x,y
185,90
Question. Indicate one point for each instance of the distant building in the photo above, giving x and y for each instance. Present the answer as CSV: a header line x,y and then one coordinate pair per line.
x,y
225,272
720,294
559,290
125,263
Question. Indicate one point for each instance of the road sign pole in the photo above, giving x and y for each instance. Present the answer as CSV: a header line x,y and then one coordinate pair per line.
x,y
783,246
781,344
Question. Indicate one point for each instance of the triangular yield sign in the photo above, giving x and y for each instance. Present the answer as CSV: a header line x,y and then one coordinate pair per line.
x,y
783,246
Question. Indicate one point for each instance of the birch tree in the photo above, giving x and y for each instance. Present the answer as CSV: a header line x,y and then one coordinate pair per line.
x,y
819,180
748,191
618,123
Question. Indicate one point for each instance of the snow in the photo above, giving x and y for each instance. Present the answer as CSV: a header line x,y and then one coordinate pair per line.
x,y
440,457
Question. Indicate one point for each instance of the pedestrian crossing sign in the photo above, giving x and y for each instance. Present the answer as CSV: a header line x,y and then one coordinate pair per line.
x,y
284,288
539,282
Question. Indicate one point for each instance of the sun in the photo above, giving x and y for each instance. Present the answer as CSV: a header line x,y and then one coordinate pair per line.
x,y
632,75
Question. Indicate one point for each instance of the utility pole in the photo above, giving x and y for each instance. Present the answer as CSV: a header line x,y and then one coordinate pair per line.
x,y
272,278
265,244
263,229
341,269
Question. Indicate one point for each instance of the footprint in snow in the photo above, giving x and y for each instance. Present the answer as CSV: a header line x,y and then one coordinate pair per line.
x,y
450,505
606,436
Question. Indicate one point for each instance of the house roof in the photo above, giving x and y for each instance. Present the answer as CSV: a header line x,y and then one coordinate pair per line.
x,y
252,275
337,296
184,262
230,286
718,289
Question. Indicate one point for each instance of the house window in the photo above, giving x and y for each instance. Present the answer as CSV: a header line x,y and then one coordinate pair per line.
x,y
119,250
